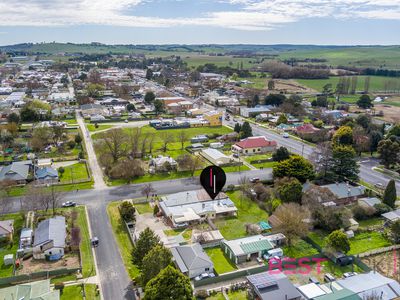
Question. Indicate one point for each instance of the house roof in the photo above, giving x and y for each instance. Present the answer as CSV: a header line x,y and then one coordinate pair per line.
x,y
42,173
191,257
37,290
255,142
307,128
392,215
370,201
6,227
248,245
15,171
51,230
215,154
344,190
332,291
277,286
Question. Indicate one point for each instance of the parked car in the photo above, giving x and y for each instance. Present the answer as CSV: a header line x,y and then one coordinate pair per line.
x,y
69,204
94,241
235,155
254,179
379,185
285,135
313,280
349,274
329,277
204,276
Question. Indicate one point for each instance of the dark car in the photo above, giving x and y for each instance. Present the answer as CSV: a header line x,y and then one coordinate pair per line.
x,y
254,179
69,204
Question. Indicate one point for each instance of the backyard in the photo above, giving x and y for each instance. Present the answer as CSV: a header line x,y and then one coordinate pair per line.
x,y
299,249
221,263
248,213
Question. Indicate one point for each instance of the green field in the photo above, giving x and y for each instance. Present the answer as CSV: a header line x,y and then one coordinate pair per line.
x,y
248,212
123,239
194,60
377,83
74,172
299,249
221,263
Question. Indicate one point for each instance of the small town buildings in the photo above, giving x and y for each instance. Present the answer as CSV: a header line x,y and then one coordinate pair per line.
x,y
30,291
49,239
213,117
17,172
184,208
92,109
247,248
46,175
6,229
251,112
391,216
328,291
207,239
272,286
216,157
192,260
163,163
254,145
199,139
369,201
306,129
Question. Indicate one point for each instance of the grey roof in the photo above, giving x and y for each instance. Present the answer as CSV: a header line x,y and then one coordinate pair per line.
x,y
51,230
370,201
344,190
42,173
191,257
91,106
37,290
372,283
392,215
15,171
270,286
6,227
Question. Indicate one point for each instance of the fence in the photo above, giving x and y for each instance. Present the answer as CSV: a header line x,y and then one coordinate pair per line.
x,y
37,275
378,251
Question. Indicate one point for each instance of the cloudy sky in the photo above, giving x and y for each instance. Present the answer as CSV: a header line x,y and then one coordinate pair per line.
x,y
201,21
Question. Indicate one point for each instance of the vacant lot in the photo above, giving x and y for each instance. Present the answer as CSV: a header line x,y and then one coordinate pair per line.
x,y
386,263
221,263
75,172
299,249
248,213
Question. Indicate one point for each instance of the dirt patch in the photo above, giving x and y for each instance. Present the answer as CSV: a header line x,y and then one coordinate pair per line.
x,y
385,263
291,87
391,114
31,265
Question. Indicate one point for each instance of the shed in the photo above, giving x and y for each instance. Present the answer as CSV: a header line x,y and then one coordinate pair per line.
x,y
8,259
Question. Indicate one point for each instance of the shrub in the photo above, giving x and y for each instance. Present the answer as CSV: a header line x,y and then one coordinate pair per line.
x,y
201,294
230,187
71,144
59,286
127,211
156,210
361,212
381,208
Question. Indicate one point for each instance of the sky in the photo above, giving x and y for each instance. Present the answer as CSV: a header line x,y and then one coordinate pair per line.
x,y
323,22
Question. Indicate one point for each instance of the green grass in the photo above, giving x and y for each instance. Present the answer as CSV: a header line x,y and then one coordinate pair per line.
x,y
70,121
338,271
371,222
186,233
362,242
221,263
74,292
268,164
377,83
299,249
238,295
217,296
248,212
88,268
76,171
64,278
92,127
143,208
7,271
123,239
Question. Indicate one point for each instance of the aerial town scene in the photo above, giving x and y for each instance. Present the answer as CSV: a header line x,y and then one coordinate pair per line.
x,y
231,149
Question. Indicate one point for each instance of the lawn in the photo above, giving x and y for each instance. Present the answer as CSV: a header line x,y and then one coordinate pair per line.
x,y
217,296
74,292
252,158
7,271
362,242
74,172
143,208
248,212
371,222
92,127
299,249
123,239
238,295
186,233
221,263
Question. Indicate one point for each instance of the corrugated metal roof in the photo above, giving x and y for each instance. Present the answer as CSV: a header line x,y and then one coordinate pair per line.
x,y
256,246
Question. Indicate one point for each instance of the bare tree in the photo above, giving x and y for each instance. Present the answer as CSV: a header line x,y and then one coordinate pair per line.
x,y
183,137
115,143
144,141
147,189
134,140
151,142
5,204
244,187
128,169
167,137
321,158
55,196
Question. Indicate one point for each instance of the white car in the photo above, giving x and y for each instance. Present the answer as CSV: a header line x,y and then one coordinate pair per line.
x,y
285,135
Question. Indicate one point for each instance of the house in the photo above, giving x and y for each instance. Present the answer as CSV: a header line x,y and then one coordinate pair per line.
x,y
250,112
276,286
372,283
17,172
262,117
216,157
163,163
6,229
192,260
328,291
30,291
254,145
199,139
213,117
392,216
91,109
244,249
49,239
46,175
169,100
306,129
229,137
207,239
369,201
184,208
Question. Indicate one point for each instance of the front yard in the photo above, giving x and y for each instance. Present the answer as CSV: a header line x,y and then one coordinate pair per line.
x,y
221,263
258,161
75,172
248,213
75,292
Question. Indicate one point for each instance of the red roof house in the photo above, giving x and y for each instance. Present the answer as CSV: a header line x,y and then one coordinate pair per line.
x,y
254,145
306,129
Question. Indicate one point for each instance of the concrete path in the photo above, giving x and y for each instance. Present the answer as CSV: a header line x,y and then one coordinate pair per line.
x,y
97,173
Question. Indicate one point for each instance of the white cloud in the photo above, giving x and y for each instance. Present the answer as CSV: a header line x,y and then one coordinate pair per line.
x,y
244,14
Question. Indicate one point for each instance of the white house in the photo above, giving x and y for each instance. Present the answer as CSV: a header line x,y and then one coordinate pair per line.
x,y
49,239
215,156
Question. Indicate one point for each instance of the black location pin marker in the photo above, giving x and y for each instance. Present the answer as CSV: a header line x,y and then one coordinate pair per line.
x,y
213,179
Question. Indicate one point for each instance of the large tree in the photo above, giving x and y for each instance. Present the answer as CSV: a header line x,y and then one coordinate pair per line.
x,y
365,102
157,259
389,152
127,211
169,284
343,136
280,154
167,137
291,221
338,241
115,143
188,162
158,106
149,97
390,194
321,158
344,165
246,130
289,189
295,166
183,137
147,240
